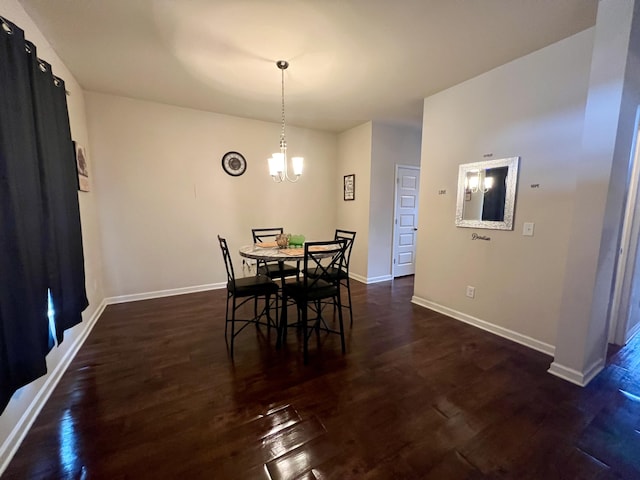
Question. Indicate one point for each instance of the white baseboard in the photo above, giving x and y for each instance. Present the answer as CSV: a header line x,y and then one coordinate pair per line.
x,y
383,278
368,280
574,376
164,293
15,438
357,277
489,327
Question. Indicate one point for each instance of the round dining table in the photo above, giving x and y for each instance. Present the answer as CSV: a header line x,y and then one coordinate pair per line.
x,y
272,253
268,253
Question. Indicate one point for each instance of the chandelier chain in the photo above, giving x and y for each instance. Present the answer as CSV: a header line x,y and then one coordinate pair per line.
x,y
283,142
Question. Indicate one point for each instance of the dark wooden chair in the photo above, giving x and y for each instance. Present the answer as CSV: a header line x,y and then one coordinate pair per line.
x,y
246,289
342,271
271,269
313,292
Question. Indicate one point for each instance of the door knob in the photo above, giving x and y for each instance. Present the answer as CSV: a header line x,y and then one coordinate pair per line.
x,y
415,229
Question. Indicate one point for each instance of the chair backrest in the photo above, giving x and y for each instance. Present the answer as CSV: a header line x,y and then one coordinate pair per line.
x,y
323,258
227,262
266,234
349,237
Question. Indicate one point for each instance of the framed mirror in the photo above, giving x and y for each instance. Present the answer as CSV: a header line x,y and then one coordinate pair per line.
x,y
487,194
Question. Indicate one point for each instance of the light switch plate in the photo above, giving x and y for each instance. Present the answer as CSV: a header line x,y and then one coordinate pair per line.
x,y
527,229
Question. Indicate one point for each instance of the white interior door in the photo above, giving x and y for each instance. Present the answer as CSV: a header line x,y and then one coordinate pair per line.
x,y
405,220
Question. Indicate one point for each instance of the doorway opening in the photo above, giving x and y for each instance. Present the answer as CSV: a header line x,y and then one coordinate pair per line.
x,y
624,317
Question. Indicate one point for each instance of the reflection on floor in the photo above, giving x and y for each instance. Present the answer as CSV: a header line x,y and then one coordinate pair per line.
x,y
153,394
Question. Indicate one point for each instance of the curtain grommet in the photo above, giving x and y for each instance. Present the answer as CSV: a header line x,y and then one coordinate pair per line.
x,y
6,27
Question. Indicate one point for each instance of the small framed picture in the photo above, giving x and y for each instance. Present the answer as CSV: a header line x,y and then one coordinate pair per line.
x,y
350,187
82,168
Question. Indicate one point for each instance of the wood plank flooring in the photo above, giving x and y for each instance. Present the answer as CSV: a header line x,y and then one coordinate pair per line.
x,y
153,394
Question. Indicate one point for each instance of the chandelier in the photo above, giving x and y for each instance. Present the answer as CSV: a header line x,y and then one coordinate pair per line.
x,y
278,163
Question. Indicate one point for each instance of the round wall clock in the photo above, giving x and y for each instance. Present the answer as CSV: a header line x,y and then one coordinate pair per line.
x,y
234,163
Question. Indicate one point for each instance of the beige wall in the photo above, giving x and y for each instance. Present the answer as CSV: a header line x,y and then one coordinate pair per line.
x,y
18,411
602,179
354,154
163,196
371,151
532,107
391,145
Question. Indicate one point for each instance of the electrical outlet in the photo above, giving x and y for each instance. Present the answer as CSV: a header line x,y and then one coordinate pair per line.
x,y
471,291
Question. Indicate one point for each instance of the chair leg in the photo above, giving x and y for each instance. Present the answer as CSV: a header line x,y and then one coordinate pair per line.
x,y
319,315
270,320
268,311
226,317
305,354
276,322
255,310
348,285
282,325
341,322
233,325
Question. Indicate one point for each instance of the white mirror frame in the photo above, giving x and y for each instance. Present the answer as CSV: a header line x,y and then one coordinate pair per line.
x,y
510,197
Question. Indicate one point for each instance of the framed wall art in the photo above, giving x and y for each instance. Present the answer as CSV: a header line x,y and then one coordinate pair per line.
x,y
82,167
350,187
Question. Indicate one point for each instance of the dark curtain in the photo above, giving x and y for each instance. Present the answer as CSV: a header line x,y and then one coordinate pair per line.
x,y
40,239
56,155
24,333
493,203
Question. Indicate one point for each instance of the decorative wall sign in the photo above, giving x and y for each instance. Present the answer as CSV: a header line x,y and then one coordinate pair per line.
x,y
350,187
82,167
234,163
475,236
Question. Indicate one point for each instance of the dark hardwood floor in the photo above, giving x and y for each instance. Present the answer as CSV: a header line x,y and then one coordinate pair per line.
x,y
153,394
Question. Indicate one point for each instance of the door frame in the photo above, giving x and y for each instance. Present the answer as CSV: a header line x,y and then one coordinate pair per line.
x,y
395,212
628,249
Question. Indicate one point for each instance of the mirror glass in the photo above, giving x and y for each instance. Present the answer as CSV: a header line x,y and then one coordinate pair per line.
x,y
487,194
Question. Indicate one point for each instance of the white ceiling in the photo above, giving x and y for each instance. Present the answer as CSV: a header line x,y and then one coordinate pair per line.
x,y
351,60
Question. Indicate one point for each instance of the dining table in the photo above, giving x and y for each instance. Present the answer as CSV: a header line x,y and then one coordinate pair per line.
x,y
270,252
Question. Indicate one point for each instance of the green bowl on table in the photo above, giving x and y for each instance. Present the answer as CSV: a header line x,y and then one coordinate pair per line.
x,y
296,240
